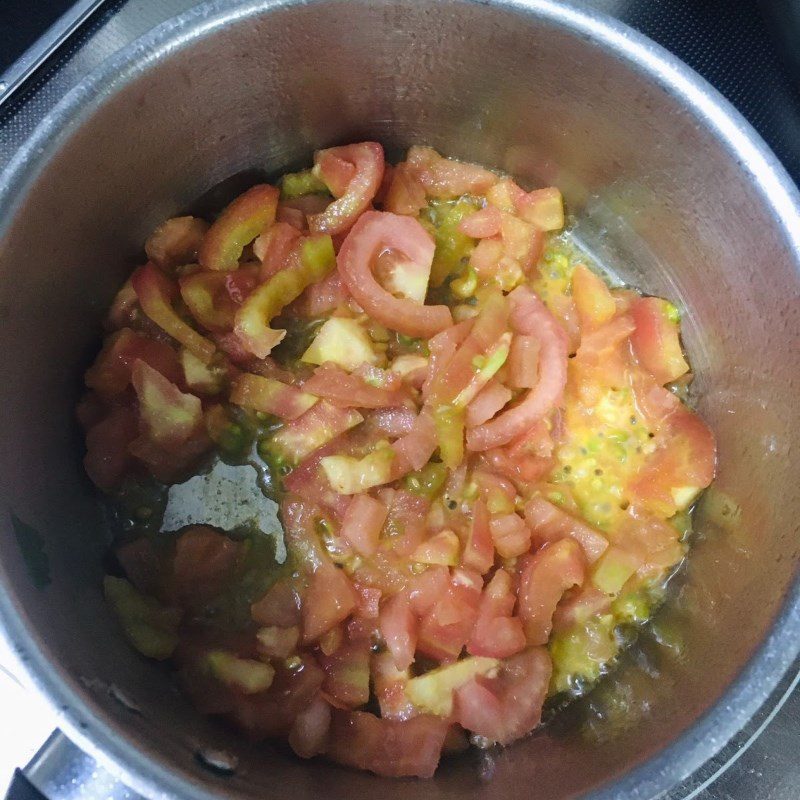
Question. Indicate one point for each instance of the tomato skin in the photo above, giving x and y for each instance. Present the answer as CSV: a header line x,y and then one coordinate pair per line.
x,y
656,340
374,231
506,708
544,578
368,162
391,748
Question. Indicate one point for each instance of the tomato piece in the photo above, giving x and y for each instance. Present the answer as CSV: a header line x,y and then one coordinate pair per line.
x,y
311,262
529,316
387,747
107,457
445,178
478,551
238,225
405,525
171,462
594,302
374,232
274,248
683,465
442,348
506,708
330,599
652,542
323,297
441,548
427,588
334,170
545,577
270,396
280,606
169,416
308,736
363,522
204,561
389,686
460,371
414,449
578,606
110,374
392,421
406,194
124,308
206,296
321,424
482,224
347,674
176,241
550,523
399,630
350,390
656,341
489,400
544,208
511,536
367,161
155,291
445,630
496,632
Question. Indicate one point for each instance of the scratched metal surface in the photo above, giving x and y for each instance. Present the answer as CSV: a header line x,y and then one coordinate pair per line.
x,y
727,42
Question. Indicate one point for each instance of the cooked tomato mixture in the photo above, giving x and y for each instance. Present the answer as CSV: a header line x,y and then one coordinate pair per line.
x,y
478,444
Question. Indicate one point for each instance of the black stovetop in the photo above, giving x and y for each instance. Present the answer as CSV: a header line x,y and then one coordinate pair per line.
x,y
732,43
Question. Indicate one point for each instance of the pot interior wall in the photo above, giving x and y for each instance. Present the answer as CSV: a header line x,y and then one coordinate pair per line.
x,y
653,194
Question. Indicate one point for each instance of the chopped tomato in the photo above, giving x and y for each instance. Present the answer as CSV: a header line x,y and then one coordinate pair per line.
x,y
347,674
545,577
308,736
373,232
489,400
414,449
107,457
496,632
274,248
330,598
482,224
594,301
523,362
350,390
204,561
387,747
206,296
656,339
529,316
270,396
446,178
549,523
399,630
506,708
323,297
578,606
511,536
176,241
368,164
110,374
334,170
244,219
445,629
363,522
389,686
155,291
406,194
478,551
542,207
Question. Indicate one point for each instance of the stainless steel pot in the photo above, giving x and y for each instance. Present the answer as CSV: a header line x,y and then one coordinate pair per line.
x,y
667,184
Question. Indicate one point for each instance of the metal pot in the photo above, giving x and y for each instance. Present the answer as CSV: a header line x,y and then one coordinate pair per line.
x,y
667,184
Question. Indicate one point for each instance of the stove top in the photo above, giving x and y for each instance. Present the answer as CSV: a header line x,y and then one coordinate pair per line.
x,y
47,47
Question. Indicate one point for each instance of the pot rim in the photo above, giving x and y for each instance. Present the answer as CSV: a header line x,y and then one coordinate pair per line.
x,y
762,684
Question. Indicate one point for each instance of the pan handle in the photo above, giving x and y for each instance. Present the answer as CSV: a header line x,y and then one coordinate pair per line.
x,y
62,771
